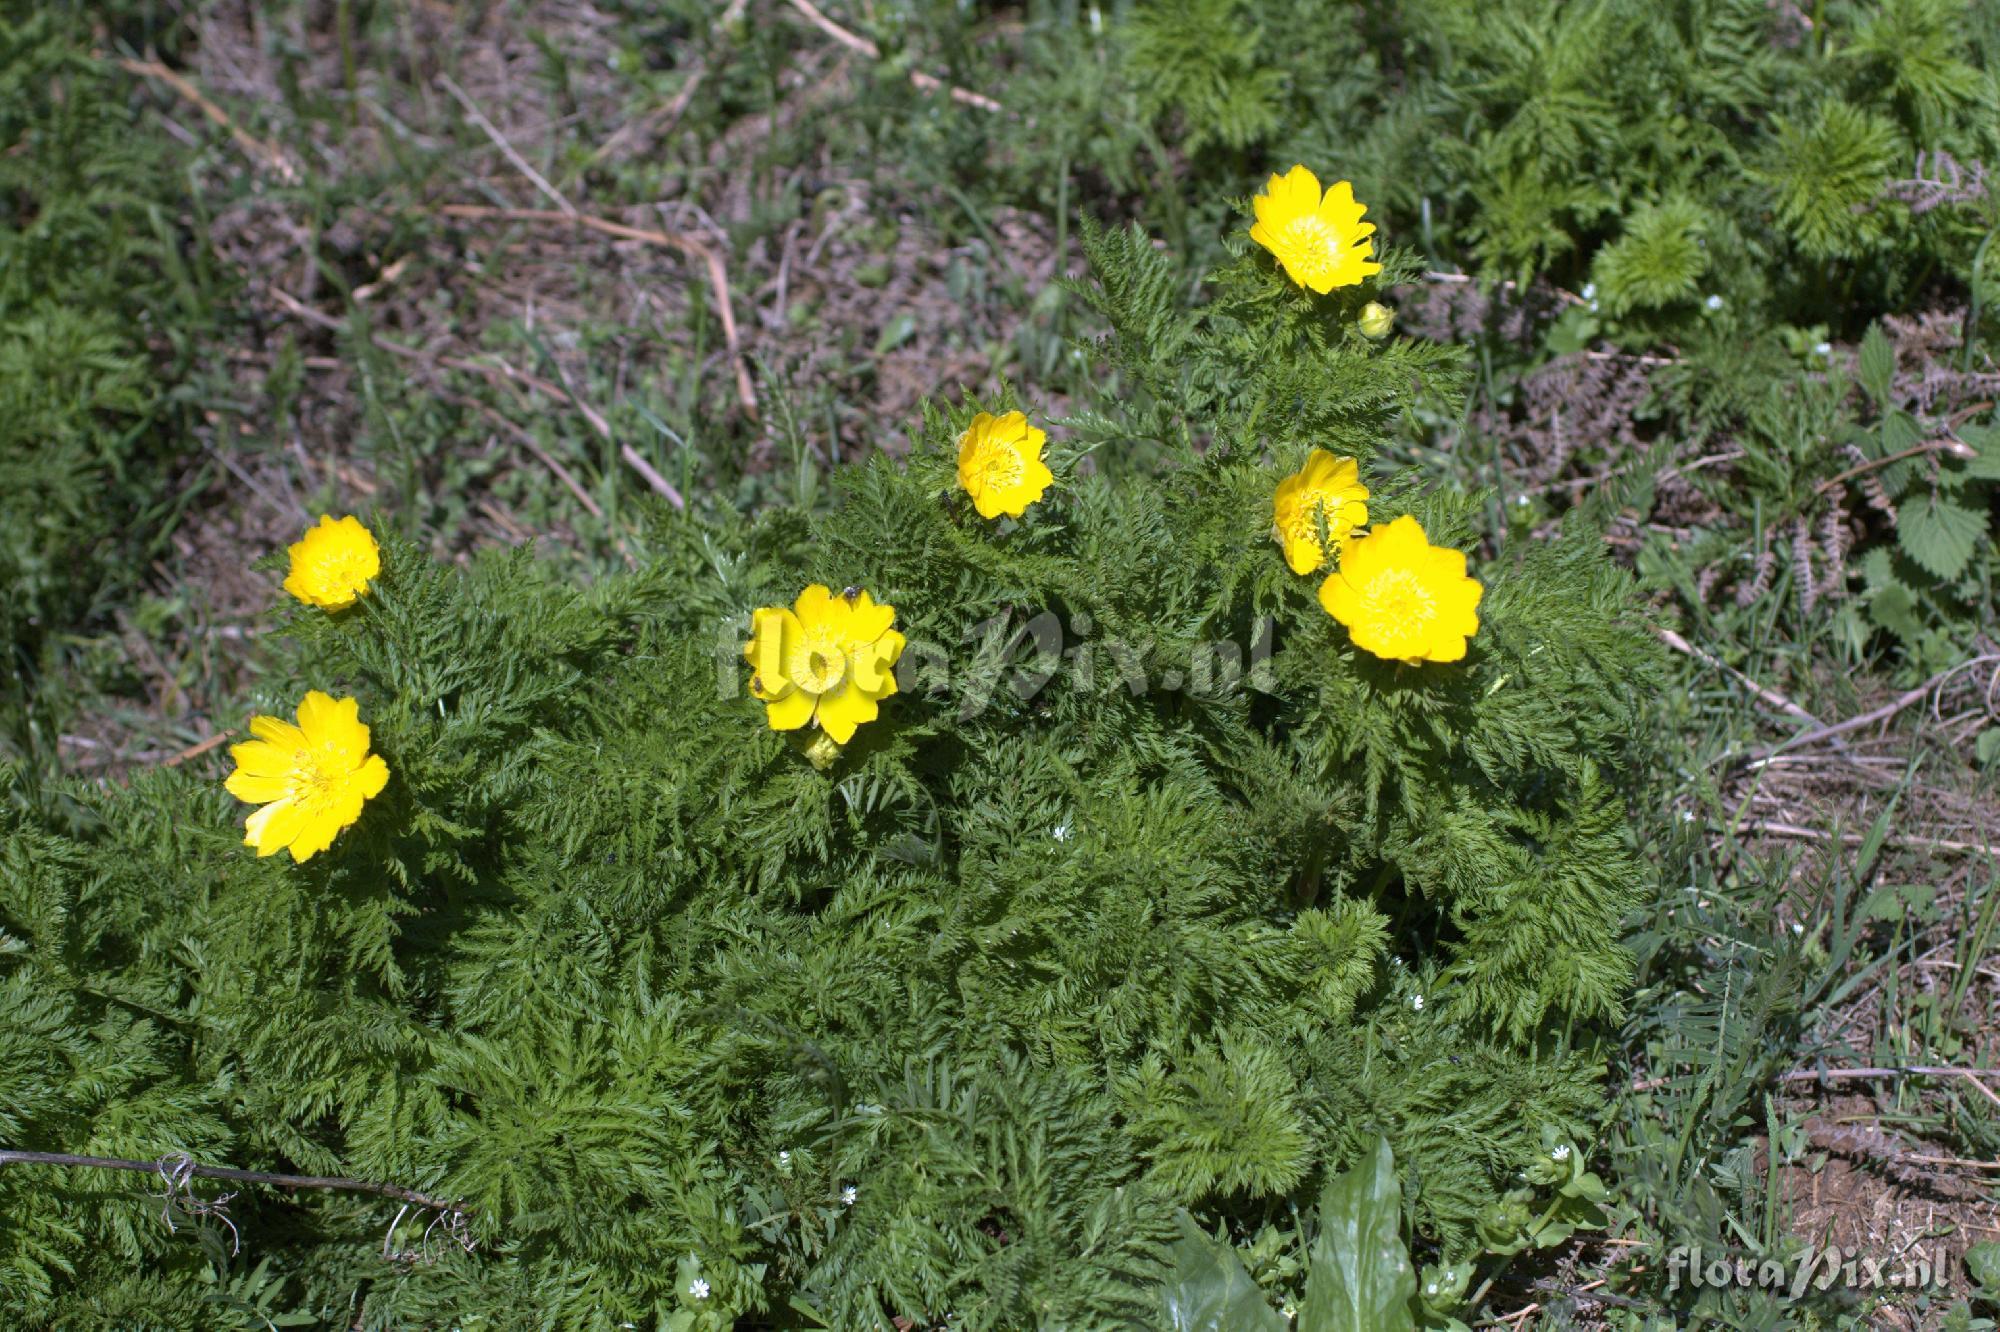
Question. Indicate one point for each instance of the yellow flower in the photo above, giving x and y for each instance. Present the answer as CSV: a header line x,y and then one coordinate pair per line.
x,y
1000,464
1325,485
311,779
1402,598
1320,239
1376,320
826,659
332,564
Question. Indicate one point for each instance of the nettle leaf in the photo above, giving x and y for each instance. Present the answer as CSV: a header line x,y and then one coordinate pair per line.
x,y
1361,1279
1894,607
1877,366
1983,1262
1938,532
1984,465
1210,1291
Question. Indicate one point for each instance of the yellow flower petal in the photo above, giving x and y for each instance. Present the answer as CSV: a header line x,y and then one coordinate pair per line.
x,y
1326,489
1402,598
1319,239
333,563
774,633
310,779
255,789
792,711
840,713
830,654
1000,464
262,758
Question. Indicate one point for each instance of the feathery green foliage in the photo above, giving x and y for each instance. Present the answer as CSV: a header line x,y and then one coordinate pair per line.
x,y
1147,891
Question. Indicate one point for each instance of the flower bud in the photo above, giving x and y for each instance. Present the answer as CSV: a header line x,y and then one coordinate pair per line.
x,y
822,751
1376,320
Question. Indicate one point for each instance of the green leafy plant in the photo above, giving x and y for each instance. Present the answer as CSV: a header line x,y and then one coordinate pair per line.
x,y
1147,890
91,265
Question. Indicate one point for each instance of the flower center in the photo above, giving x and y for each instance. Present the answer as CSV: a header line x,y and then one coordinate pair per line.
x,y
1309,243
998,467
1399,601
309,781
818,664
1305,521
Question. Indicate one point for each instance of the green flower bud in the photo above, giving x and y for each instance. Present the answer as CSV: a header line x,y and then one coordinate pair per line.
x,y
1376,320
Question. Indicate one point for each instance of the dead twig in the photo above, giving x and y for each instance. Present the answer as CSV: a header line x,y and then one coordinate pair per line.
x,y
1874,715
194,750
1971,1075
1770,696
185,1168
270,156
1955,447
854,41
1776,829
494,373
492,131
718,273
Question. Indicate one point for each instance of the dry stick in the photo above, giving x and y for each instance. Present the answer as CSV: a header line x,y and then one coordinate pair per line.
x,y
195,750
328,1182
1776,829
1971,1075
1883,713
1455,279
534,446
1956,448
718,273
1771,696
492,131
669,116
856,42
495,373
271,156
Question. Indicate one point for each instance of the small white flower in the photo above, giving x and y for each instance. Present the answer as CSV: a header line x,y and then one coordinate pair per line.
x,y
1798,927
848,1195
1417,1002
1713,302
1593,307
1430,1288
1062,830
1687,816
784,1160
1521,500
1822,349
1561,1153
698,1288
1590,291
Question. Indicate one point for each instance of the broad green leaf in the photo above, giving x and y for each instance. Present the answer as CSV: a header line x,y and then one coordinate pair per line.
x,y
896,332
1938,532
1209,1291
1361,1278
1985,442
1983,1262
1878,364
